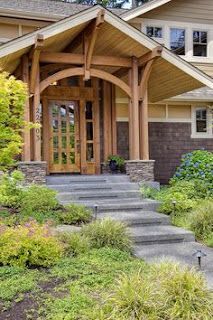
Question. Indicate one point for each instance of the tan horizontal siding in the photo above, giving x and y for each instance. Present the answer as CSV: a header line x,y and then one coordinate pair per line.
x,y
181,10
205,67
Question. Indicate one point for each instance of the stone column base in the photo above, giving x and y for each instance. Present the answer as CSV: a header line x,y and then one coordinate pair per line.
x,y
34,171
140,170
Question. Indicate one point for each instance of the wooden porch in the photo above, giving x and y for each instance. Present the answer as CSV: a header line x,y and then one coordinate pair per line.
x,y
101,51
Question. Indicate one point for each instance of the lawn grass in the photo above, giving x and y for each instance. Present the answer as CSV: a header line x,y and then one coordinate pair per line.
x,y
73,289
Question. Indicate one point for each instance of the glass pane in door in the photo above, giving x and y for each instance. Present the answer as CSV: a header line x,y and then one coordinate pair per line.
x,y
64,137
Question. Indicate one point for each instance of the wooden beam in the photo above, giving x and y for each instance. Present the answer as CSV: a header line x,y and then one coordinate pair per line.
x,y
150,56
35,61
91,34
80,72
78,59
144,79
26,154
155,53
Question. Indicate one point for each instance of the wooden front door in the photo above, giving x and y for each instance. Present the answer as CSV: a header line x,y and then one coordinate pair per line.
x,y
64,140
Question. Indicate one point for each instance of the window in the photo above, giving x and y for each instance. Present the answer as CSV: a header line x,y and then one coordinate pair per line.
x,y
200,43
202,122
177,41
154,32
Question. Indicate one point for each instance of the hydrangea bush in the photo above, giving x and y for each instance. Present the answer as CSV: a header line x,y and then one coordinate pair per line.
x,y
195,165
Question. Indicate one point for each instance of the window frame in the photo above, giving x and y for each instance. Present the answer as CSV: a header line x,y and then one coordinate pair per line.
x,y
206,44
209,122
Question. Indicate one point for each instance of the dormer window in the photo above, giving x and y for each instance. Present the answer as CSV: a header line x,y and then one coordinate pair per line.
x,y
154,32
200,43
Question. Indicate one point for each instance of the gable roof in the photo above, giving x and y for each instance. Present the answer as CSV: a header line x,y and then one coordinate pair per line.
x,y
171,75
47,10
144,8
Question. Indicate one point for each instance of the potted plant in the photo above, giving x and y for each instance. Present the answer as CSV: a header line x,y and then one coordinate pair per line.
x,y
116,163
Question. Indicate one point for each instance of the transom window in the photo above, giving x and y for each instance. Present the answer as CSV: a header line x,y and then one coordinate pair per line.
x,y
177,40
200,43
154,32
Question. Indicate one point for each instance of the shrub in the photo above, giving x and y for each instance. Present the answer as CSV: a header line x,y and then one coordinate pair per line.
x,y
75,243
175,201
148,192
209,240
38,199
75,214
11,192
196,165
31,245
107,233
120,162
13,95
202,219
167,291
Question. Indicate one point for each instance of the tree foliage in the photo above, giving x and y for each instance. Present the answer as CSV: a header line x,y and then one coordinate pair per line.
x,y
13,94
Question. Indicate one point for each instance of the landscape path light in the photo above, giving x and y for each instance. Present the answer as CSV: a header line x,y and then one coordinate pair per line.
x,y
199,254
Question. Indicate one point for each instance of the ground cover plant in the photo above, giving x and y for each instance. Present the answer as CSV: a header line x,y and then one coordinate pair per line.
x,y
189,196
104,284
19,203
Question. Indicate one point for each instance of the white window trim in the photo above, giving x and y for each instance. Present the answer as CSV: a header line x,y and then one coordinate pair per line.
x,y
189,28
4,40
202,135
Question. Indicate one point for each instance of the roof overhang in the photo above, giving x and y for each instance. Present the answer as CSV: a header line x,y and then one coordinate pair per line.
x,y
133,13
170,76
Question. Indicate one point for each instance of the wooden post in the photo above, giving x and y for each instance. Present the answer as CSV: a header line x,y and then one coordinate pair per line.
x,y
45,132
26,154
96,125
134,119
144,128
107,119
36,119
114,124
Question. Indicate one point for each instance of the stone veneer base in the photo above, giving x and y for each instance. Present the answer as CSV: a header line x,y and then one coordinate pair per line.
x,y
34,171
140,170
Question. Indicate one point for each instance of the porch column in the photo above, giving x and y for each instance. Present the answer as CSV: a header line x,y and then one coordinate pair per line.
x,y
26,153
144,129
134,114
107,119
36,119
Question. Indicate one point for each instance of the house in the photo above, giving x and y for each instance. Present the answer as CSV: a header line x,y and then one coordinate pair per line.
x,y
132,82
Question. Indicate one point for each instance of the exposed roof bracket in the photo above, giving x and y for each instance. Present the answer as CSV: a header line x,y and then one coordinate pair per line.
x,y
35,55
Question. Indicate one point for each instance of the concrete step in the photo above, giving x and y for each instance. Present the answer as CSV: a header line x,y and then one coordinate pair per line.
x,y
83,179
147,235
94,186
115,205
137,218
97,195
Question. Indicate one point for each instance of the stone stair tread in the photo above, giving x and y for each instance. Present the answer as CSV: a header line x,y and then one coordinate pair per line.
x,y
100,191
119,204
157,230
125,216
96,186
181,252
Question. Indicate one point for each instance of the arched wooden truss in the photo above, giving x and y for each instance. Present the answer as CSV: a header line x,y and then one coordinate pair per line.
x,y
80,72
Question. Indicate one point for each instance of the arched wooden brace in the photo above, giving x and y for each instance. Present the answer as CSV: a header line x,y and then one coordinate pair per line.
x,y
80,72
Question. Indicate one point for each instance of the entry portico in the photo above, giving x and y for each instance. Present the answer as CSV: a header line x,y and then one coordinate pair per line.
x,y
72,69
